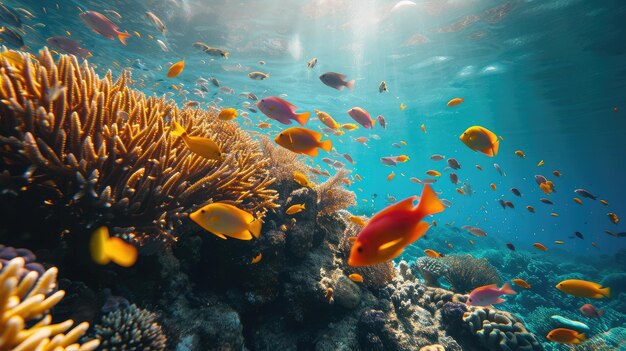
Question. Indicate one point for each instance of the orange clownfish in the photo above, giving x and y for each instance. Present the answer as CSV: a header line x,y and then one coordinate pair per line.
x,y
105,249
392,229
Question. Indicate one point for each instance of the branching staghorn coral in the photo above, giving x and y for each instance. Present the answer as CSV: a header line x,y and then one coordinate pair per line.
x,y
282,162
332,196
94,146
24,320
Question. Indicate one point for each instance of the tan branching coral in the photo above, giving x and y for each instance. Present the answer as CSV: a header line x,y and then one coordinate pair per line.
x,y
24,320
332,196
97,144
282,162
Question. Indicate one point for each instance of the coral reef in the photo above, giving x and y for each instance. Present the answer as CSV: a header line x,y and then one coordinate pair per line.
x,y
129,329
332,196
499,330
466,273
7,253
25,323
90,149
431,270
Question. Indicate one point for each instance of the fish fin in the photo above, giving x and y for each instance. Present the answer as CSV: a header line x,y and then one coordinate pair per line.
x,y
392,249
582,337
350,84
302,118
429,203
406,204
178,129
506,289
326,145
606,292
221,236
123,36
312,152
420,229
494,147
499,300
255,227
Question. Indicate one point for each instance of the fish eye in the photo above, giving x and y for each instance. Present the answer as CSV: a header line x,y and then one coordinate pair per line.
x,y
202,211
359,249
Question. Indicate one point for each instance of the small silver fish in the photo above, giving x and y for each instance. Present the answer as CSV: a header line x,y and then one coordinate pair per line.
x,y
497,167
311,63
437,157
214,81
453,163
382,87
258,75
585,193
156,22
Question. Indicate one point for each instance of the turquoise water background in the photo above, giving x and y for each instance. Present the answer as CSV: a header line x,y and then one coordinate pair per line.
x,y
544,75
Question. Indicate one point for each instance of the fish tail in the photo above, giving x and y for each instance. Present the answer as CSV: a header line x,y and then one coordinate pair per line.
x,y
122,36
178,129
506,289
350,84
606,292
495,147
255,227
429,203
302,118
582,337
327,145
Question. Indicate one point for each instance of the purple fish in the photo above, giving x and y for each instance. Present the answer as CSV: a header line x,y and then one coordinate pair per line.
x,y
362,117
388,161
69,46
100,24
510,246
489,295
454,178
502,203
540,179
585,193
281,110
453,163
382,121
336,80
509,204
546,201
348,158
516,192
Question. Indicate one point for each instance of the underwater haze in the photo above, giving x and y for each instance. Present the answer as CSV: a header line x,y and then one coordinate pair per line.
x,y
230,175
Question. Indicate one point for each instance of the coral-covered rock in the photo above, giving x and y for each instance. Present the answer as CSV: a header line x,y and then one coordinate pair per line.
x,y
346,292
500,331
431,270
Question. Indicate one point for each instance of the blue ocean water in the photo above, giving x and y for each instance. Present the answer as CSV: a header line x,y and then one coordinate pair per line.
x,y
548,77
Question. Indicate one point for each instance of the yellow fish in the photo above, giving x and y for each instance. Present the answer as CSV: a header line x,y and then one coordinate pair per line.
x,y
293,209
228,114
390,176
303,141
604,202
432,253
583,288
224,220
433,173
455,102
105,249
349,126
520,153
481,139
402,158
540,163
204,147
402,106
175,69
521,283
357,220
301,179
327,119
423,127
578,201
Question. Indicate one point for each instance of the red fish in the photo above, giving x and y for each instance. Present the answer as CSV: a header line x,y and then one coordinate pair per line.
x,y
489,295
100,24
590,311
392,229
68,45
282,110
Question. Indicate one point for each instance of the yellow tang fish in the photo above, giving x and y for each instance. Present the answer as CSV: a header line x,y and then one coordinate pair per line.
x,y
481,139
105,249
224,220
176,69
204,147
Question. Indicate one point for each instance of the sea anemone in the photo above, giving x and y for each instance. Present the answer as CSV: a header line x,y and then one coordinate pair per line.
x,y
25,323
130,329
91,149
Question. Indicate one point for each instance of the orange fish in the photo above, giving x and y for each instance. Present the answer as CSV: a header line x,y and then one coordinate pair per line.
x,y
583,288
556,173
604,202
481,139
357,220
433,173
358,177
105,249
578,201
389,231
553,214
432,253
455,102
540,246
352,239
559,242
521,283
493,186
402,158
460,191
175,69
478,167
520,153
264,125
257,258
303,141
613,217
390,176
423,128
566,336
355,277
